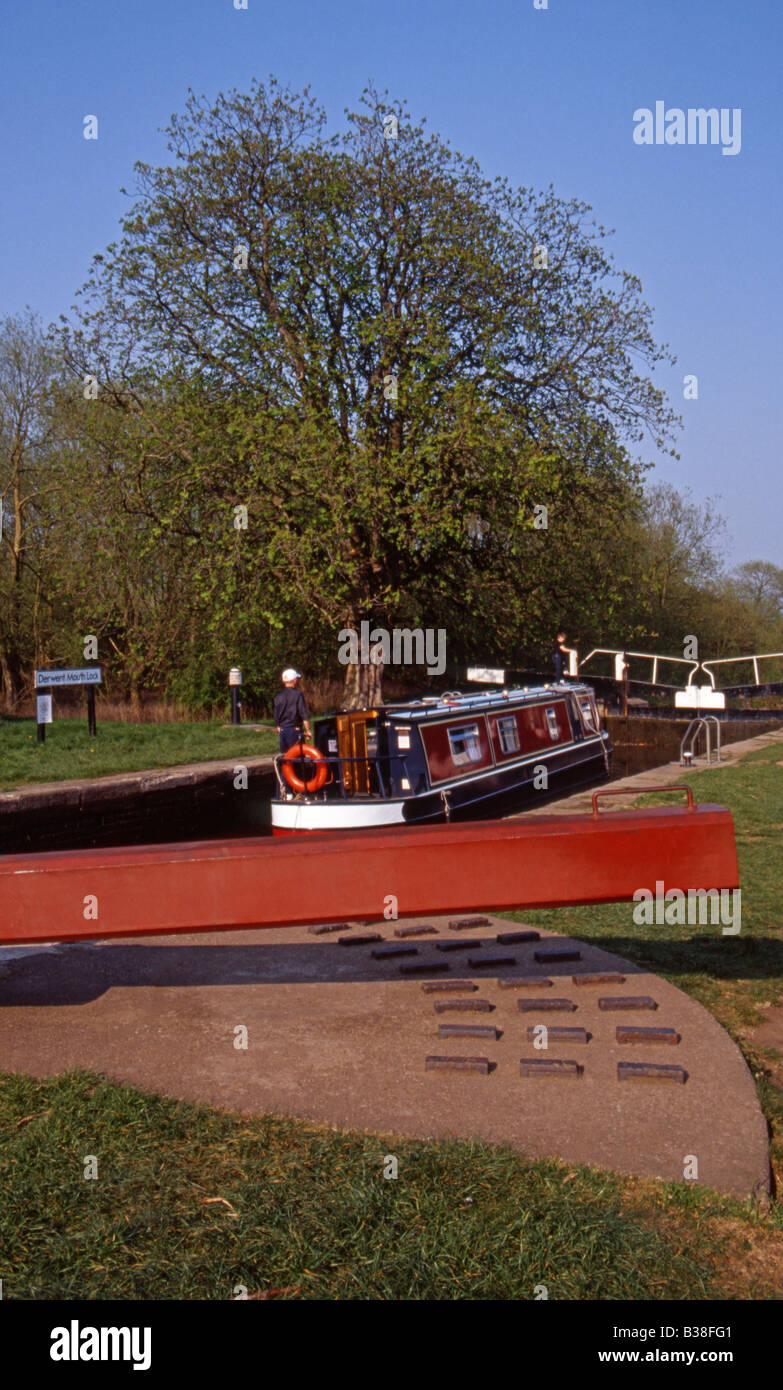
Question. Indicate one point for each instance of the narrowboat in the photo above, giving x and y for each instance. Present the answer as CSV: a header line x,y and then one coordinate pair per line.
x,y
450,757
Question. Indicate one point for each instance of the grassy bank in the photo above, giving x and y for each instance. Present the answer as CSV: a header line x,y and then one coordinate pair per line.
x,y
190,1202
738,978
69,751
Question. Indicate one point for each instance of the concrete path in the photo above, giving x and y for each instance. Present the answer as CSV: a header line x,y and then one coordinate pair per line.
x,y
667,774
337,1035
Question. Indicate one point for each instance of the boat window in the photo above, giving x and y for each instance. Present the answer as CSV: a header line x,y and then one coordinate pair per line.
x,y
465,744
551,719
508,733
587,712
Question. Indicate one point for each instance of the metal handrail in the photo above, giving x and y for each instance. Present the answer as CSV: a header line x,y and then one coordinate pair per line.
x,y
698,724
732,660
640,791
695,666
647,656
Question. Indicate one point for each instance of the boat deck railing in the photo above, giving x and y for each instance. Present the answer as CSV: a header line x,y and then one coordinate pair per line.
x,y
456,700
335,761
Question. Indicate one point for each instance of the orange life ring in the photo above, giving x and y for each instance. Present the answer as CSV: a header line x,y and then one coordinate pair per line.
x,y
305,750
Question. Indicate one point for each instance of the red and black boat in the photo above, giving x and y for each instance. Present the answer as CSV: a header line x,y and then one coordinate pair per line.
x,y
450,757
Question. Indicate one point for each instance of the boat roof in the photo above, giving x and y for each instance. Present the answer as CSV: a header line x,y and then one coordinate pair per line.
x,y
455,702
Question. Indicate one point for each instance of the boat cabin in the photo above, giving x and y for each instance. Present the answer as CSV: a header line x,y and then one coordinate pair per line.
x,y
450,756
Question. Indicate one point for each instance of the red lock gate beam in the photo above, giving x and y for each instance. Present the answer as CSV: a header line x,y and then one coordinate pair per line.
x,y
536,861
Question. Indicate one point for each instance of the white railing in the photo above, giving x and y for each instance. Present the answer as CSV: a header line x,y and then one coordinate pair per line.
x,y
733,660
621,664
620,661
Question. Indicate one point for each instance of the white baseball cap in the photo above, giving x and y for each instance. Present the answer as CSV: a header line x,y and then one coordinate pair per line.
x,y
290,674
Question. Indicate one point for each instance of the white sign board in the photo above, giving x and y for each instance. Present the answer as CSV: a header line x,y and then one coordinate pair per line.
x,y
87,675
43,709
486,674
699,697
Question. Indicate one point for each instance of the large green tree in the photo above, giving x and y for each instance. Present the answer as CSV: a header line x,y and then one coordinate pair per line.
x,y
390,361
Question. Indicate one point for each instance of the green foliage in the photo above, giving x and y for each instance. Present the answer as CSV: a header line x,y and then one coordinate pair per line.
x,y
358,423
371,265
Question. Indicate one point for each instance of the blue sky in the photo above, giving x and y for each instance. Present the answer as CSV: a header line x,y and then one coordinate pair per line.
x,y
540,96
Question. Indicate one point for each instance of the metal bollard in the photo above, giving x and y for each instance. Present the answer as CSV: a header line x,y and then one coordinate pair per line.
x,y
235,681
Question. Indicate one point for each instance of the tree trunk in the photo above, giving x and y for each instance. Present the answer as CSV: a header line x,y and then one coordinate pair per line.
x,y
363,683
10,679
356,692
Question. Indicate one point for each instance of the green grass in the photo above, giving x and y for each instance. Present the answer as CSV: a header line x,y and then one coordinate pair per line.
x,y
732,976
190,1203
69,751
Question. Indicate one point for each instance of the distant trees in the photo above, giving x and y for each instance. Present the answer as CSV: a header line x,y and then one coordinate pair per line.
x,y
674,556
760,584
29,437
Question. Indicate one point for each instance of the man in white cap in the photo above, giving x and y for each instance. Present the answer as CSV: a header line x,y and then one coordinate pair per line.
x,y
290,711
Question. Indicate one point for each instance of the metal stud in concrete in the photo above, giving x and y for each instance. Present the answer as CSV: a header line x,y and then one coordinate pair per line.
x,y
549,1066
468,923
425,930
624,1033
556,1033
392,952
557,954
490,962
448,986
464,1006
651,1071
468,1030
626,1001
608,979
325,927
363,940
457,945
479,1064
510,938
526,982
552,1006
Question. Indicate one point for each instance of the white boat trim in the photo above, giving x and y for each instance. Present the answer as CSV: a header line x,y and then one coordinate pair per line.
x,y
335,815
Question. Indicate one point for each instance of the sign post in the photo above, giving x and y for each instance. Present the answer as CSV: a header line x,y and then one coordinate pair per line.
x,y
235,682
90,676
43,714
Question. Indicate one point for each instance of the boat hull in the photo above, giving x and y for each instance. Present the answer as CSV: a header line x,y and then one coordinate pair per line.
x,y
494,792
